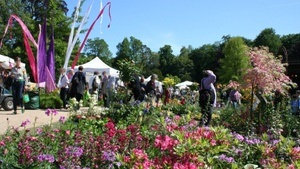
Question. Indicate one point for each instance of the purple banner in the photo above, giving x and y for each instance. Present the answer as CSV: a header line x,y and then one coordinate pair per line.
x,y
51,57
41,60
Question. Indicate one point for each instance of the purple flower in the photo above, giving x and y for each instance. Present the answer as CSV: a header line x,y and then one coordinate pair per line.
x,y
25,123
54,112
274,142
49,112
62,119
252,141
168,120
109,156
46,158
223,157
238,136
74,151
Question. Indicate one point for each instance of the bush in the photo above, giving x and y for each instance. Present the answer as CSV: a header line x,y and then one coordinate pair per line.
x,y
50,100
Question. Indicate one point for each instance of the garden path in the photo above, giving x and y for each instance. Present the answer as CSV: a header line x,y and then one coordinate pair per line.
x,y
16,120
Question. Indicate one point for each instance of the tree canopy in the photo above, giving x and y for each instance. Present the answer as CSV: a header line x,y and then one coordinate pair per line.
x,y
270,39
235,62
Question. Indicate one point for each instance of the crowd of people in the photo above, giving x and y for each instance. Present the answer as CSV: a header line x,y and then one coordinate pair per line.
x,y
74,85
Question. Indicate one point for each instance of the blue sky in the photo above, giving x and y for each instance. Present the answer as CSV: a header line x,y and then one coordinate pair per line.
x,y
190,22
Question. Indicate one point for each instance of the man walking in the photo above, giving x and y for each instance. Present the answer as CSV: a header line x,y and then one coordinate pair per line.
x,y
63,84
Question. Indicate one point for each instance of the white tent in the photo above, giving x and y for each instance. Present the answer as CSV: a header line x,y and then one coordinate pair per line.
x,y
184,84
98,65
6,62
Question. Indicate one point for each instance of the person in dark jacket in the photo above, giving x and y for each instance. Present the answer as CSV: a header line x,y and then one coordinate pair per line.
x,y
78,83
207,96
150,87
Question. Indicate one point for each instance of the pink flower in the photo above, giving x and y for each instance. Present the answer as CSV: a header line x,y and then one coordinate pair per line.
x,y
291,166
165,142
213,142
2,143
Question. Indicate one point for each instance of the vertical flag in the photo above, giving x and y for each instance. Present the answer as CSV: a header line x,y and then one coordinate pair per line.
x,y
41,57
50,84
89,31
51,57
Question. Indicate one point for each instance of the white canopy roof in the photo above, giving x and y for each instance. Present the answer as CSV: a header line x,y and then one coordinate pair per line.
x,y
7,62
98,65
184,84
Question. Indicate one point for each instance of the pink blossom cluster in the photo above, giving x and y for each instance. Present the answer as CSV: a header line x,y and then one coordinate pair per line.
x,y
295,153
268,73
165,142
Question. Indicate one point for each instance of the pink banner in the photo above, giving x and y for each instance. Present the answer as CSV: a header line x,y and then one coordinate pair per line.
x,y
24,28
89,31
50,84
26,36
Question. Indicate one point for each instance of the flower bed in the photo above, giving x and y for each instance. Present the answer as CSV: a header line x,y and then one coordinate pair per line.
x,y
134,136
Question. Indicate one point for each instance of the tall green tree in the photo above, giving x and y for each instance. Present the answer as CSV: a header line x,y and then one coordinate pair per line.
x,y
136,49
184,65
166,60
270,39
123,52
290,48
236,61
204,57
98,48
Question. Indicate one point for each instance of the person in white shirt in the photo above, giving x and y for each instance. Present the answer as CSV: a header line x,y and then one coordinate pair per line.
x,y
63,84
94,83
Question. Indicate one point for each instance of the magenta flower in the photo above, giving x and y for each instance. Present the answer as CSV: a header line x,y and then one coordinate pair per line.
x,y
25,123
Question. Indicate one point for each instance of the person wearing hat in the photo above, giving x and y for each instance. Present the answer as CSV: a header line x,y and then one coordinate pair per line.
x,y
19,76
